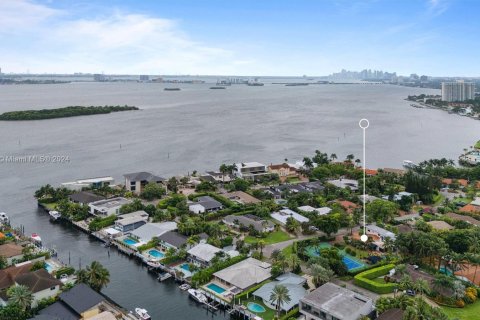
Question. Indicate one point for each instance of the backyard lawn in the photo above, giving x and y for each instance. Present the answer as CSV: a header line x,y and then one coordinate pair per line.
x,y
471,311
269,314
273,237
50,206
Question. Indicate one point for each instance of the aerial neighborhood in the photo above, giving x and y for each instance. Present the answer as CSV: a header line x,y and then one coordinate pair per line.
x,y
279,241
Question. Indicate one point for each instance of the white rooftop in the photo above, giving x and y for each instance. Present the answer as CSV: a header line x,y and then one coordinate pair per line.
x,y
344,183
245,273
249,164
321,211
282,216
149,230
204,251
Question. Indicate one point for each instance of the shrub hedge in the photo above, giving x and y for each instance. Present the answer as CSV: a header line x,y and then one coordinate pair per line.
x,y
365,280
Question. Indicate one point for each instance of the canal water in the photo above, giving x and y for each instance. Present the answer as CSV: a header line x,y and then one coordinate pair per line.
x,y
197,129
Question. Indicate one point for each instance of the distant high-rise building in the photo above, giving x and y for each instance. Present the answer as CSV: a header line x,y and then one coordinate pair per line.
x,y
144,77
458,91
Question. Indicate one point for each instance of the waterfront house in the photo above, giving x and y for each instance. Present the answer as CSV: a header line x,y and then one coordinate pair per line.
x,y
205,204
379,235
79,302
294,283
11,252
244,274
345,183
248,220
202,254
135,182
149,230
94,183
172,239
107,207
459,217
40,283
284,171
470,208
213,176
131,221
320,211
250,170
7,278
241,197
282,216
332,302
84,197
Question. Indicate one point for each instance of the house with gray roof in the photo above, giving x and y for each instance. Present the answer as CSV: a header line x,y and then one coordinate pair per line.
x,y
135,182
244,274
84,197
40,283
172,239
202,254
248,220
131,221
205,204
149,230
107,207
332,302
294,284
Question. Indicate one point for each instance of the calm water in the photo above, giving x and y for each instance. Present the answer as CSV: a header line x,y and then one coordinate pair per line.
x,y
197,129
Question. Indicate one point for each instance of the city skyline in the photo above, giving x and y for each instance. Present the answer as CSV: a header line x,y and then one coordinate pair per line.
x,y
248,38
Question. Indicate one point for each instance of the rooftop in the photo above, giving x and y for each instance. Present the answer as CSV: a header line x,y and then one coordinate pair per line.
x,y
81,298
111,203
440,225
468,219
173,238
241,196
143,176
380,231
284,214
247,220
204,251
150,230
292,282
38,280
208,202
10,249
85,197
335,300
8,275
245,273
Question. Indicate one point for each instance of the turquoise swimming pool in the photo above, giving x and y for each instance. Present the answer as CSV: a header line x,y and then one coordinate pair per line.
x,y
185,267
215,288
48,267
255,307
156,254
130,241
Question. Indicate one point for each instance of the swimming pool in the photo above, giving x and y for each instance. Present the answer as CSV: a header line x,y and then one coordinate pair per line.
x,y
351,264
48,267
129,241
156,254
215,288
255,307
185,267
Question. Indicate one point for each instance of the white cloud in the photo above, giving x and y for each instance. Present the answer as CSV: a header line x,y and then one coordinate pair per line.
x,y
114,43
23,15
437,7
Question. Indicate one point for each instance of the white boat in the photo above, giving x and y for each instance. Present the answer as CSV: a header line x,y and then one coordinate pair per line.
x,y
408,164
197,295
164,276
142,313
54,215
184,286
35,237
4,218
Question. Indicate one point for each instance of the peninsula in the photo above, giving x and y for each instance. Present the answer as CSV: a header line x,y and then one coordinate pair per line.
x,y
71,111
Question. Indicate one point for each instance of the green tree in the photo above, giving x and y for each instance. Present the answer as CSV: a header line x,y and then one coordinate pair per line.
x,y
381,210
320,274
152,191
21,296
279,296
328,223
97,276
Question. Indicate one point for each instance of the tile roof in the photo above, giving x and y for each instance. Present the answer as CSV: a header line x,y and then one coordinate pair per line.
x,y
38,280
469,219
10,249
143,176
470,208
7,275
85,197
245,273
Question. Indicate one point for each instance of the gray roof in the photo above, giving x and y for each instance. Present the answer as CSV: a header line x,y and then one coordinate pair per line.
x,y
57,311
247,221
204,251
143,176
292,282
81,298
38,280
84,197
246,273
336,301
208,202
150,230
173,238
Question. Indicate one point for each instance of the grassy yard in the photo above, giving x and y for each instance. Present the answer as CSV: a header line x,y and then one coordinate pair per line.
x,y
269,314
471,311
50,206
438,199
273,237
465,200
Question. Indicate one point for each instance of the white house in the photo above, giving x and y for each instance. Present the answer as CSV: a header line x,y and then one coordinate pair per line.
x,y
149,230
95,183
205,204
135,182
250,170
40,283
282,216
320,211
202,254
107,207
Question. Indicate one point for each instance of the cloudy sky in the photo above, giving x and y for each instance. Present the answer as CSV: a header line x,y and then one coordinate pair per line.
x,y
248,37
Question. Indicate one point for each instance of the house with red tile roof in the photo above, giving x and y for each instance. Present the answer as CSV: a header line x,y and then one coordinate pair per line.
x,y
460,182
371,172
470,208
348,205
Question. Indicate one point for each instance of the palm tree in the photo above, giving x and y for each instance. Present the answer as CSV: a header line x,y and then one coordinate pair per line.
x,y
20,296
294,262
97,275
279,296
261,245
405,282
421,286
320,275
333,156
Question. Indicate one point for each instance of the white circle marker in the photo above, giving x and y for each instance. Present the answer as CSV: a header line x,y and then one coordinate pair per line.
x,y
364,124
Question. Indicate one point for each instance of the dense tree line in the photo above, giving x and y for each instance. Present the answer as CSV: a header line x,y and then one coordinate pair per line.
x,y
65,112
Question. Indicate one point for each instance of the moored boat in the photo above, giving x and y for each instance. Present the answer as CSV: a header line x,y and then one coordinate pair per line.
x,y
217,87
54,215
197,295
4,218
142,313
184,286
171,89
